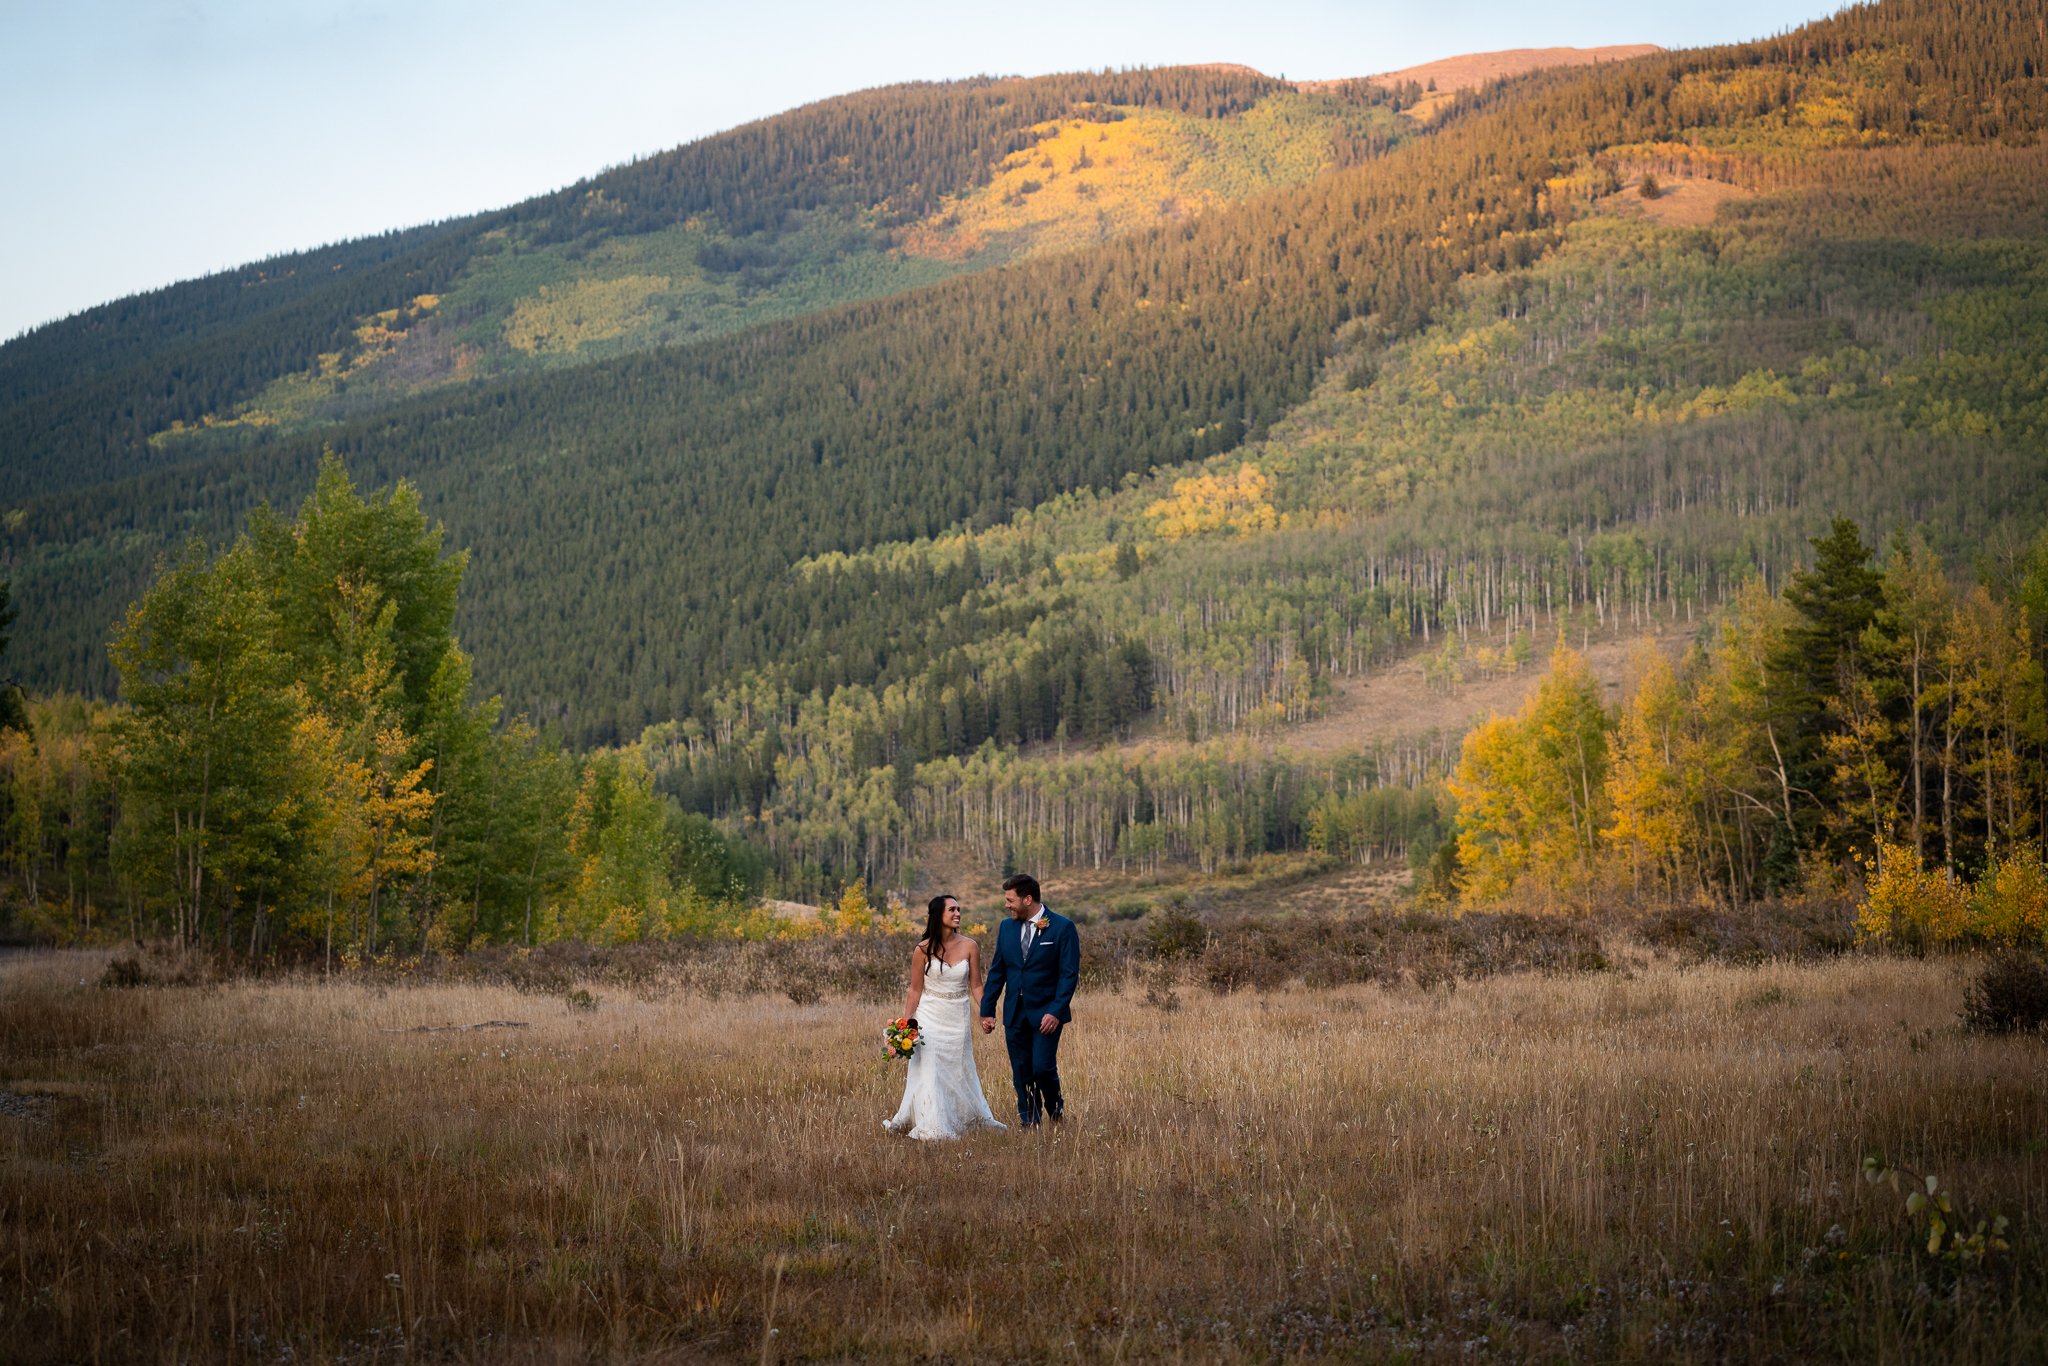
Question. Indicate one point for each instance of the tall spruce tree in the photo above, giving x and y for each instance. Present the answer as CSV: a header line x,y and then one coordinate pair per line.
x,y
1820,665
13,713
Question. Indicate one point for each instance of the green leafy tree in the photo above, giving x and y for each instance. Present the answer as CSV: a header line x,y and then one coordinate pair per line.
x,y
207,740
344,546
618,833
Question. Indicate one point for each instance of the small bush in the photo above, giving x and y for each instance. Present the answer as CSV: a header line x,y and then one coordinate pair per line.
x,y
1128,908
1161,994
1175,933
800,983
124,972
1650,188
2010,996
1434,973
580,1000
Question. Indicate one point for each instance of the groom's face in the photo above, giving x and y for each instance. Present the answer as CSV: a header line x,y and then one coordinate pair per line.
x,y
1020,905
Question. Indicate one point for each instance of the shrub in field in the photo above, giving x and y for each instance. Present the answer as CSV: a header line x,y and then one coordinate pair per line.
x,y
1811,926
1160,992
1175,932
124,972
1252,959
1909,903
2010,996
801,982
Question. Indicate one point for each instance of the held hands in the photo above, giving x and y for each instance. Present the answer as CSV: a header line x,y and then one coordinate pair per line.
x,y
1047,1024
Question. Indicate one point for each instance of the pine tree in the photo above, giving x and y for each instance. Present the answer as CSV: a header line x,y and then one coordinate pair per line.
x,y
1821,662
13,713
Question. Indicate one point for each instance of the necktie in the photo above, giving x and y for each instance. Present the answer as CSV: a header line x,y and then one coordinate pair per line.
x,y
1030,935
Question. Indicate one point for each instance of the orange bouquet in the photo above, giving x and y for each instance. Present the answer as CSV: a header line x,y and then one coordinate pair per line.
x,y
899,1040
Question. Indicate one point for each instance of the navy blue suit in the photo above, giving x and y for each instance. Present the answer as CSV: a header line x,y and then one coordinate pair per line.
x,y
1039,985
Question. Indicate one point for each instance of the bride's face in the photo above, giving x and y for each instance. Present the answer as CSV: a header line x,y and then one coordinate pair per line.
x,y
950,917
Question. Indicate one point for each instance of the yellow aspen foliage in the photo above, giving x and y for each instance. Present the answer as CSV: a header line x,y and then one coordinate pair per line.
x,y
853,913
1532,789
1489,786
1207,503
1650,789
391,838
1908,903
365,814
1089,178
560,318
2011,905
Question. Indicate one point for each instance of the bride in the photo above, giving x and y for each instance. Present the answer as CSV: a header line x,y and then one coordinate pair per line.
x,y
942,1093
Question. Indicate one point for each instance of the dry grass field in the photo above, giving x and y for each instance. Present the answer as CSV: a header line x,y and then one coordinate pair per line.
x,y
1646,1163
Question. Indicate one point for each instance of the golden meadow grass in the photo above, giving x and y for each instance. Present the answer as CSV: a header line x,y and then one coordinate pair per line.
x,y
1649,1163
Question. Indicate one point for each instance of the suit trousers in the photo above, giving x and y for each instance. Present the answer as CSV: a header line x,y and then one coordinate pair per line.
x,y
1034,1067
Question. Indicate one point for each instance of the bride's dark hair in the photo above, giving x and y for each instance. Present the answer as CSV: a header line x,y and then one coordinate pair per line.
x,y
935,925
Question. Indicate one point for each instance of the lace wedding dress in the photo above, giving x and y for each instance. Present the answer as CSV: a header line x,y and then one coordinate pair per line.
x,y
942,1093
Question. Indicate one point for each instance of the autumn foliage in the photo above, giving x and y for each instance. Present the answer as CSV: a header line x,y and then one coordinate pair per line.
x,y
1870,715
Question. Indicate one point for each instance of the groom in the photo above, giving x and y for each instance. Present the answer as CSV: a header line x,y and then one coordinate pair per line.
x,y
1038,956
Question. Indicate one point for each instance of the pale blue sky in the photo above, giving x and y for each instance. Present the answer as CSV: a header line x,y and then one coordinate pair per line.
x,y
142,143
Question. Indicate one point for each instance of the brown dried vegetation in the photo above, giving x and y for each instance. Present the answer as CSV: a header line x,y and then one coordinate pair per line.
x,y
1642,1163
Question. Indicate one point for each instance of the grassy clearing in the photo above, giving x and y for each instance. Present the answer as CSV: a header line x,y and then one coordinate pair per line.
x,y
1651,1162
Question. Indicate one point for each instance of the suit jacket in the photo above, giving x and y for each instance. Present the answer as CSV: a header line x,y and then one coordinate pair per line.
x,y
1042,984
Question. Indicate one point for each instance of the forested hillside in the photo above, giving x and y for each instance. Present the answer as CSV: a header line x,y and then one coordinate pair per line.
x,y
771,220
1590,351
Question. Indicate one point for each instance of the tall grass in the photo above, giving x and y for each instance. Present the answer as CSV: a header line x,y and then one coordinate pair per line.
x,y
1650,1163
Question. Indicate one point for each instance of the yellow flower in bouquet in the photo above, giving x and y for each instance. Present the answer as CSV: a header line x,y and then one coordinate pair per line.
x,y
899,1040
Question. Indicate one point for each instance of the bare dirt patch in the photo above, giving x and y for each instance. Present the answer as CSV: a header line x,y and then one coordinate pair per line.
x,y
1398,703
1374,886
1685,201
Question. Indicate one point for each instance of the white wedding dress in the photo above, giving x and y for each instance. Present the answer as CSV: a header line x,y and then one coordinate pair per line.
x,y
942,1093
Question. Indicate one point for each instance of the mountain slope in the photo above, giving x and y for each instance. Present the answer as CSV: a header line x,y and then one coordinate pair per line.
x,y
1611,440
1431,85
768,221
636,523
